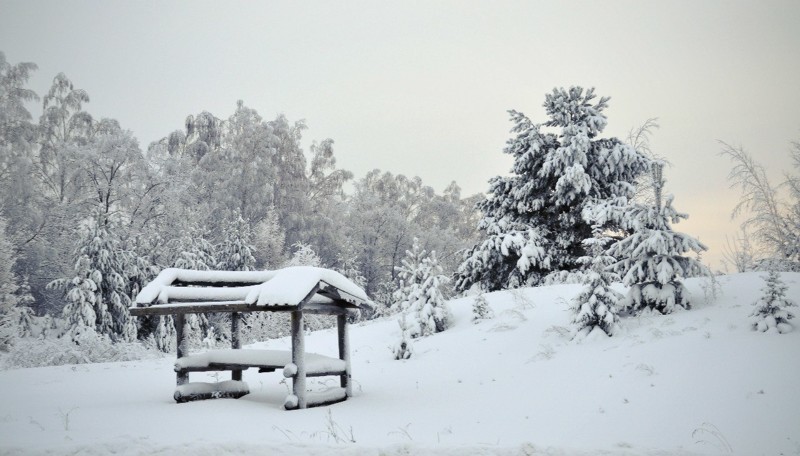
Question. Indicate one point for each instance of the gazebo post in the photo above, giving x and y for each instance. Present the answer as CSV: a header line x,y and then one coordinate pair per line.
x,y
181,348
298,358
344,353
236,341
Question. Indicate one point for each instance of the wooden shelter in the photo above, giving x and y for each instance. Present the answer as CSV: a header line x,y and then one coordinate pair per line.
x,y
298,290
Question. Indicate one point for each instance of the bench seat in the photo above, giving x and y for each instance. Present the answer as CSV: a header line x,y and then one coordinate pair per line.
x,y
196,391
265,360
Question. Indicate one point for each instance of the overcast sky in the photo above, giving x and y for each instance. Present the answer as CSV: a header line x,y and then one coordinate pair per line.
x,y
422,87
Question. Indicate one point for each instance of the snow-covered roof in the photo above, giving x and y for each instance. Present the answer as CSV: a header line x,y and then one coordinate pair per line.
x,y
286,287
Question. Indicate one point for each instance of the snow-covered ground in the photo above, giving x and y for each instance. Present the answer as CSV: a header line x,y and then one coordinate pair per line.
x,y
695,382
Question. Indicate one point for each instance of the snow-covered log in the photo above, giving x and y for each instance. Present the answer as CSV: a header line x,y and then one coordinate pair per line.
x,y
196,391
181,346
317,398
236,341
344,352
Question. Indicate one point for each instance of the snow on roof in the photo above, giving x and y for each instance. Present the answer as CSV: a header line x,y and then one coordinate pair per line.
x,y
284,287
291,285
160,288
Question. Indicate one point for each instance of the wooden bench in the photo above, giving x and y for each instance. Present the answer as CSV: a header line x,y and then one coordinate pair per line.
x,y
237,360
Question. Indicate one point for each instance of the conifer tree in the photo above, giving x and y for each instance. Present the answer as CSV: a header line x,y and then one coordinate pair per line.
x,y
772,311
651,259
420,295
96,295
15,315
193,251
409,274
404,348
596,305
190,251
533,218
235,252
481,309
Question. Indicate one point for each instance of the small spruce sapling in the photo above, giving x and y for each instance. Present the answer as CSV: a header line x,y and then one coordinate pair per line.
x,y
403,348
651,259
481,309
596,305
772,311
420,293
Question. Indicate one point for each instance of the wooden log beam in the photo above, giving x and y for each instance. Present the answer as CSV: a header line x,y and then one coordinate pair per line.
x,y
222,284
344,353
181,347
236,342
298,358
219,367
337,308
202,390
318,399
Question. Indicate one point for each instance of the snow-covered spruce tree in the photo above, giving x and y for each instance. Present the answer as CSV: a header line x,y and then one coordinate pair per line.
x,y
481,309
235,252
532,218
190,250
420,296
138,272
596,305
15,315
193,251
772,311
96,295
410,276
651,259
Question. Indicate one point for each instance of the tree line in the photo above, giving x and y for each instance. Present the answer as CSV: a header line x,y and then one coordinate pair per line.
x,y
89,217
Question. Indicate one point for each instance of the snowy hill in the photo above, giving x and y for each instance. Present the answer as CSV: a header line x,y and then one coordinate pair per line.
x,y
695,382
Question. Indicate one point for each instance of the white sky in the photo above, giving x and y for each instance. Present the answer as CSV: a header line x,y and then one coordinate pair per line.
x,y
422,87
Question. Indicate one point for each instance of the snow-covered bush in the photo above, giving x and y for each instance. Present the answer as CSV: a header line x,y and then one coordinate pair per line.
x,y
420,294
481,309
84,346
261,326
403,349
772,216
772,311
596,305
304,255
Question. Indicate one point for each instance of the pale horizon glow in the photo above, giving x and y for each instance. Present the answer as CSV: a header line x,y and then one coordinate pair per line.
x,y
422,88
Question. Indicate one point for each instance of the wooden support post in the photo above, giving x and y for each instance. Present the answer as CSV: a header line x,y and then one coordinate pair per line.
x,y
236,341
298,358
181,344
344,353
